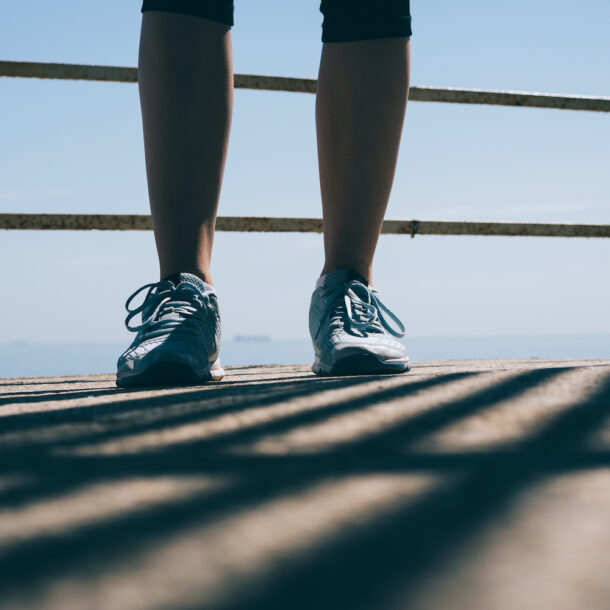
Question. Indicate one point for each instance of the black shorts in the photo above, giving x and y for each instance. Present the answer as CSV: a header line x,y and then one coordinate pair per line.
x,y
344,20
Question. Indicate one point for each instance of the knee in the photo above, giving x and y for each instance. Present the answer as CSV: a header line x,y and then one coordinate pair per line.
x,y
216,10
346,20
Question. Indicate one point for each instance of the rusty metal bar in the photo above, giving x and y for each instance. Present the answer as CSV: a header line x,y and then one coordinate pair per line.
x,y
31,69
24,69
142,222
510,98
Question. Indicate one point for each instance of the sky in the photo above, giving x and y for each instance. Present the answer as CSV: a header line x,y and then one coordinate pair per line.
x,y
77,147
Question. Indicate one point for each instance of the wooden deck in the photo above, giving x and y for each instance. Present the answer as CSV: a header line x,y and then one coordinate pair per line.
x,y
474,485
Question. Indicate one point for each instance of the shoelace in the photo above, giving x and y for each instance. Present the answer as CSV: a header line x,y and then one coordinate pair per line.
x,y
361,308
160,300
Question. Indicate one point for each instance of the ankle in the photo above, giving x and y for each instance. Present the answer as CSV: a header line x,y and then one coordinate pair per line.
x,y
364,270
202,274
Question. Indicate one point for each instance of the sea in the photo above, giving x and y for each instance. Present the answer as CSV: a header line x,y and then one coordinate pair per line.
x,y
22,359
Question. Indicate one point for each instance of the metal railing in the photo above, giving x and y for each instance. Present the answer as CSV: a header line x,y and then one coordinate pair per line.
x,y
131,222
115,74
143,222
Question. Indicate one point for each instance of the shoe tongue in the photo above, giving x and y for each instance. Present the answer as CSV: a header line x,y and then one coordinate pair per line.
x,y
342,276
189,278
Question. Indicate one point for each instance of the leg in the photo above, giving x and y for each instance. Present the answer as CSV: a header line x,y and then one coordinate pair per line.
x,y
186,93
360,108
362,95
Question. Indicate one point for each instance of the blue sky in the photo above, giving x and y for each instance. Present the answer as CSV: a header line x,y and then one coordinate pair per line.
x,y
77,147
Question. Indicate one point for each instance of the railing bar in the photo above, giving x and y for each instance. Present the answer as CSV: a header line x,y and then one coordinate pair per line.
x,y
142,222
23,69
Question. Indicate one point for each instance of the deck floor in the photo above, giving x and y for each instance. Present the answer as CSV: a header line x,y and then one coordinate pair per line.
x,y
464,485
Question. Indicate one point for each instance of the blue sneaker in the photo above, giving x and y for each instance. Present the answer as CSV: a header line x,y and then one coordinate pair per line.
x,y
178,340
353,332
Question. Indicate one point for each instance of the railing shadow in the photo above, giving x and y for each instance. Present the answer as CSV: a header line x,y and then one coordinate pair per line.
x,y
350,569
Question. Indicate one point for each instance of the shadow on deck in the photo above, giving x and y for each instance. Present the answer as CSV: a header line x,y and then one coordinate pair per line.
x,y
475,484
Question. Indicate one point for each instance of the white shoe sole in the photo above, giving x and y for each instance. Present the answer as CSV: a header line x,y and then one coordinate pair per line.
x,y
362,364
170,373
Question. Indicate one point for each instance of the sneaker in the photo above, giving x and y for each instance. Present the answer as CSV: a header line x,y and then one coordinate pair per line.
x,y
353,332
178,339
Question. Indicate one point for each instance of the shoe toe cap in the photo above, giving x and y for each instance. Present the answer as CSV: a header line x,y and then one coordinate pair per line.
x,y
140,357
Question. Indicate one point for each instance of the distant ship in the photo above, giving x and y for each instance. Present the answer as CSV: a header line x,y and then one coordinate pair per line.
x,y
253,338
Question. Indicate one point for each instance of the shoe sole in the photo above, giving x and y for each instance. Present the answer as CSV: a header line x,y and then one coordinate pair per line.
x,y
362,364
165,374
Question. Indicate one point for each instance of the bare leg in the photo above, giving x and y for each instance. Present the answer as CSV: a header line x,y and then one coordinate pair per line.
x,y
360,108
186,93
